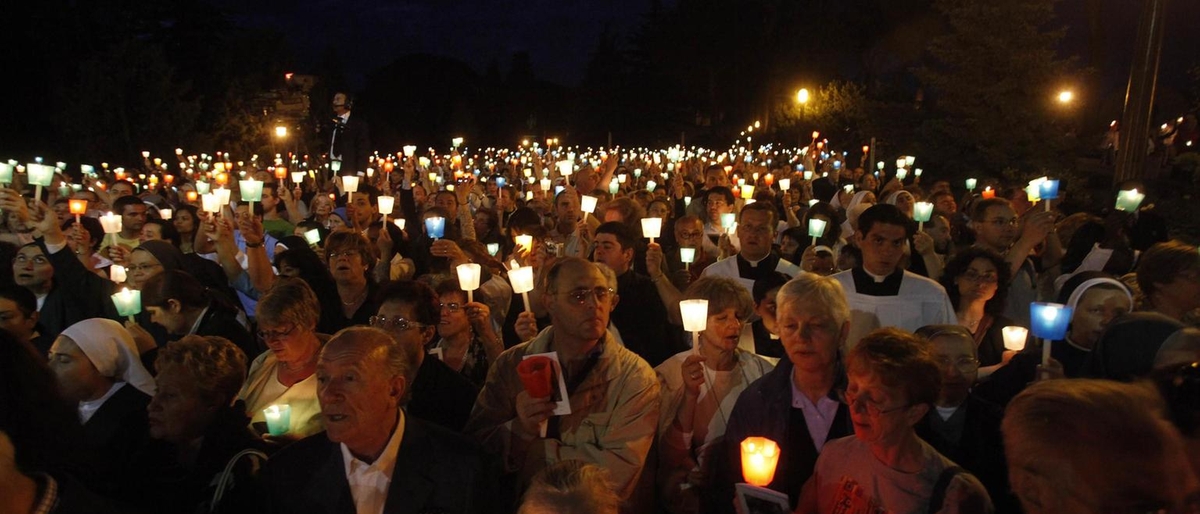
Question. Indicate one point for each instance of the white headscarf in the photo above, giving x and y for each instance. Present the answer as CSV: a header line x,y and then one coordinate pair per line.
x,y
1077,294
853,211
892,198
112,351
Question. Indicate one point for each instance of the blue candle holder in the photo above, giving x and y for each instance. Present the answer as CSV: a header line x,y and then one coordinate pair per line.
x,y
1049,190
1049,321
436,227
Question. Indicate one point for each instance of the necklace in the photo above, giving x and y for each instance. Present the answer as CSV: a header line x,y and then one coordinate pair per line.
x,y
357,300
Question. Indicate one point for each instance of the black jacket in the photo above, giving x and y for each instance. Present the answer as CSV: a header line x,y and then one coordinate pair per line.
x,y
441,395
435,471
77,294
979,450
353,144
115,432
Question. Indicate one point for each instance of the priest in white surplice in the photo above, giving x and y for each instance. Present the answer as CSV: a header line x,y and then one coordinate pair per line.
x,y
754,260
881,293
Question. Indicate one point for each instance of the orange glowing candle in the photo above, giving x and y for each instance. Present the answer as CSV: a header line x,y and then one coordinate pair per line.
x,y
988,193
281,173
192,196
759,458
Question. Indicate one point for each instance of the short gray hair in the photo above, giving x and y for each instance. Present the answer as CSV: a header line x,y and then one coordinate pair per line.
x,y
722,293
823,293
396,359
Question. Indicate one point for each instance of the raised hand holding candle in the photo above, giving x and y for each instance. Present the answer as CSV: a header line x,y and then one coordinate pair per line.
x,y
468,278
297,177
128,302
522,282
435,227
279,419
651,227
410,150
1014,338
922,212
111,223
695,319
40,176
210,203
759,458
816,229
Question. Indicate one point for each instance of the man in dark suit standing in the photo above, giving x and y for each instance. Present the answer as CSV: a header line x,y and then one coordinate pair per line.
x,y
350,141
372,458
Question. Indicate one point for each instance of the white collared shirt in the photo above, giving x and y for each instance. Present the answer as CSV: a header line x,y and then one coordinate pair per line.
x,y
369,482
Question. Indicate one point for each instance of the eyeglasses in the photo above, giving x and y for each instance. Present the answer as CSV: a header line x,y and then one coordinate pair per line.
x,y
690,235
873,406
142,267
394,323
580,296
1000,222
451,307
985,278
962,364
271,335
38,260
333,256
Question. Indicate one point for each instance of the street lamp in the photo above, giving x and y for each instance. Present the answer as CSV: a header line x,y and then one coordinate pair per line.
x,y
802,96
280,131
1066,96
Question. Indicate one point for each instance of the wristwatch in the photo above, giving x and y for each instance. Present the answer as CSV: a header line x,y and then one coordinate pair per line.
x,y
254,245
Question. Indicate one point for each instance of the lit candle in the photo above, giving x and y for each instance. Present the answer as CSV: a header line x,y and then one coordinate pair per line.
x,y
222,195
587,204
688,256
40,176
312,236
522,282
77,207
785,184
297,177
813,202
210,203
1033,192
468,278
279,419
1049,322
922,212
165,213
988,193
971,183
808,175
816,228
901,173
410,150
651,227
116,273
6,173
128,302
1014,338
350,186
203,188
909,160
250,191
456,142
727,220
386,203
759,458
493,249
695,319
565,168
1129,200
435,227
769,179
747,192
192,196
525,242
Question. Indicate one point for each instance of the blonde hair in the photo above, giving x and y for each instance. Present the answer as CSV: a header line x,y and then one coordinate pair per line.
x,y
571,487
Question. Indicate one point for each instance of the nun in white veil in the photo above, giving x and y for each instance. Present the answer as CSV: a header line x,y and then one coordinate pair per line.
x,y
94,361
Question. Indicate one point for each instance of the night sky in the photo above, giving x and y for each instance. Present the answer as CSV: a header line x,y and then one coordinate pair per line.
x,y
561,34
558,34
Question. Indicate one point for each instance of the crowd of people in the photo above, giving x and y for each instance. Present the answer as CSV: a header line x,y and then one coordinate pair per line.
x,y
319,349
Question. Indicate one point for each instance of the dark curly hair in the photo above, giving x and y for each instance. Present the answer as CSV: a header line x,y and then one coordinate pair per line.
x,y
959,264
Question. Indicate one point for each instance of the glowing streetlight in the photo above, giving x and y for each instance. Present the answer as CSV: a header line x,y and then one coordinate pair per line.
x,y
802,96
280,131
1066,96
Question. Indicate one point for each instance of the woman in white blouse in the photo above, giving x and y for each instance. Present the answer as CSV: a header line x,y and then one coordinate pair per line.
x,y
699,389
284,374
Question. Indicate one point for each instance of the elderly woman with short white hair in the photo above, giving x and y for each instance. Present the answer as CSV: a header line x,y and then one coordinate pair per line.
x,y
798,405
